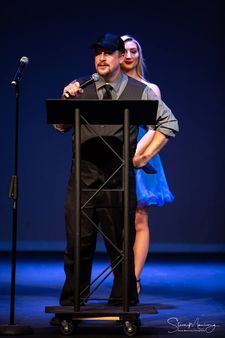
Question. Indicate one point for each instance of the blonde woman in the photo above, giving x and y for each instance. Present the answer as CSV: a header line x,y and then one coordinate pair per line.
x,y
151,188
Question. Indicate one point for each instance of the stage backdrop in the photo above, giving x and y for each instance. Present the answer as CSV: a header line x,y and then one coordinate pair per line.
x,y
183,44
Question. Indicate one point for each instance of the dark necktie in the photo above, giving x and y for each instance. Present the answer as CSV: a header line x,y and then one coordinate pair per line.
x,y
107,93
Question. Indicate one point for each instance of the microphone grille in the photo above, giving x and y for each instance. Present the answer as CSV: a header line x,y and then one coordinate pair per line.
x,y
95,76
24,59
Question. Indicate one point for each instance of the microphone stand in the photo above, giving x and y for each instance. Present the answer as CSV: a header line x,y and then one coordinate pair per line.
x,y
12,328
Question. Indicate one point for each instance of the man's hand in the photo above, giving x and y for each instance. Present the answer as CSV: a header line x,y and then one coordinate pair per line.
x,y
144,154
139,161
73,89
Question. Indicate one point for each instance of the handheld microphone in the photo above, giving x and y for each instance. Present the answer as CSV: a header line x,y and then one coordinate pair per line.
x,y
18,75
148,169
94,77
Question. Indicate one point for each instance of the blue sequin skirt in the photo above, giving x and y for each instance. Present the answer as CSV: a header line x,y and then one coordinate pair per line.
x,y
152,188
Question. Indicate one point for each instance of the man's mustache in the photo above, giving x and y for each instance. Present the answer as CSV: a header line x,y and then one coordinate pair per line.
x,y
103,64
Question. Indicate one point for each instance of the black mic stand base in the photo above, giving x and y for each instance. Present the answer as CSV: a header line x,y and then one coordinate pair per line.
x,y
15,330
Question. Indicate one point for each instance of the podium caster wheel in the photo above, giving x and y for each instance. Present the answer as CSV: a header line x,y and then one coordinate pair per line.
x,y
67,327
130,329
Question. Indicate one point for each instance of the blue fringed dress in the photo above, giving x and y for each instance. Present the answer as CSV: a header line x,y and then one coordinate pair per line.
x,y
152,188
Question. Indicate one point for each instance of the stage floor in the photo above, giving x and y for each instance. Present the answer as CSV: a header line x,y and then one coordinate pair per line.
x,y
187,291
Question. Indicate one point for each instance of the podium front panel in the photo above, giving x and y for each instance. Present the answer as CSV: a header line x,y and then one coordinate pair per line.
x,y
102,111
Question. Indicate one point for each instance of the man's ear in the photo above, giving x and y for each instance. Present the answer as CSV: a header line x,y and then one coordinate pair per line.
x,y
122,56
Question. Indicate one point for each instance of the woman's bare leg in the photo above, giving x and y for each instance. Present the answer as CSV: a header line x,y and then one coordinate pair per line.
x,y
141,245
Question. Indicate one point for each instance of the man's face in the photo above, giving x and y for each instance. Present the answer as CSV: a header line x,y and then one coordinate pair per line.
x,y
107,63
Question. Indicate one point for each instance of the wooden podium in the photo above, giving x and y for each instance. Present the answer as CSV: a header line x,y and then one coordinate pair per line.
x,y
111,112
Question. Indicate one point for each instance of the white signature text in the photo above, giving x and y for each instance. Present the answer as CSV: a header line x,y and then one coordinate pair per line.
x,y
191,326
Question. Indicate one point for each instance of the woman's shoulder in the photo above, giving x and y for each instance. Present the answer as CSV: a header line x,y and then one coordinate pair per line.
x,y
154,87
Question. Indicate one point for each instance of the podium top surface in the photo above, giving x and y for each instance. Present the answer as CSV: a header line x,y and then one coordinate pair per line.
x,y
102,111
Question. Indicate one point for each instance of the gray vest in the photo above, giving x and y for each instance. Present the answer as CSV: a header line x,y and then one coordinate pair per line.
x,y
133,91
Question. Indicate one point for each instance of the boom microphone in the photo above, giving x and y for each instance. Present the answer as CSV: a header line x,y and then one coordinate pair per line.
x,y
94,77
18,75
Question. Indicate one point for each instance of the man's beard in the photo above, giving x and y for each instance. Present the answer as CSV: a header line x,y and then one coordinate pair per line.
x,y
103,71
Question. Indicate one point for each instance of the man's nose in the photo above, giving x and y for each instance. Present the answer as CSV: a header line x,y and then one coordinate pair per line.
x,y
102,56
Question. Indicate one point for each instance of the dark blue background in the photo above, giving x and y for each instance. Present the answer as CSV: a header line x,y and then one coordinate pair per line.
x,y
183,44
